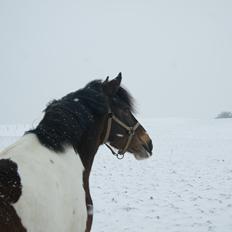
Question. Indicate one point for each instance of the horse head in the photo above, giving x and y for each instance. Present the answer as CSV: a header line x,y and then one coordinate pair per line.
x,y
122,130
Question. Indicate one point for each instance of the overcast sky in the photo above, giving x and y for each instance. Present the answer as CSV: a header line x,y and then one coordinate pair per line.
x,y
175,56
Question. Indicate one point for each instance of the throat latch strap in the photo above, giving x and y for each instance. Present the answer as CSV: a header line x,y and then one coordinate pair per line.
x,y
109,124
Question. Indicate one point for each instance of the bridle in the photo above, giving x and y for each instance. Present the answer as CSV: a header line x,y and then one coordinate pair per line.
x,y
130,131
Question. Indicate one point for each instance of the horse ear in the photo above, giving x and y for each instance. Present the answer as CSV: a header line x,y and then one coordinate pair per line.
x,y
107,79
119,78
111,87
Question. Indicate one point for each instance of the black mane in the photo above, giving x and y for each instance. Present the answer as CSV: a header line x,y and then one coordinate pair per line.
x,y
66,119
124,100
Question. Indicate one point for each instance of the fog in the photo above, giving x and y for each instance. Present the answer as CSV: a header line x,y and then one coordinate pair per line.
x,y
175,56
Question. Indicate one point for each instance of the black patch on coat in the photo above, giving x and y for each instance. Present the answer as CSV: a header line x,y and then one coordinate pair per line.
x,y
10,192
9,220
10,183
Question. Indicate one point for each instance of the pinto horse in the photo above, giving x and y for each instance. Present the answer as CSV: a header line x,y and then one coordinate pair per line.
x,y
44,176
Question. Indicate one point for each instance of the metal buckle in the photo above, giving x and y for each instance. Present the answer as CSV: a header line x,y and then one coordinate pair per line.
x,y
131,131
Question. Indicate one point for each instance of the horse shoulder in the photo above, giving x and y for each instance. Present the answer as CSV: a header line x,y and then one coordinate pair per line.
x,y
52,187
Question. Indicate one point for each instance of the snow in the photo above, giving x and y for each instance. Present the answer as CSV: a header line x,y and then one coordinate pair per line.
x,y
186,186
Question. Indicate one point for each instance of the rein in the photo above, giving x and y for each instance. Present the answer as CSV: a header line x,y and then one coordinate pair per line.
x,y
130,131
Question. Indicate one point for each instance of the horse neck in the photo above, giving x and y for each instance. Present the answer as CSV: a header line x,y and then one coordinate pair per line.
x,y
90,142
88,148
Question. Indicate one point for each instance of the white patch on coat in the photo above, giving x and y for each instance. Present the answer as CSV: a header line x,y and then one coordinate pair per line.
x,y
76,99
53,197
90,209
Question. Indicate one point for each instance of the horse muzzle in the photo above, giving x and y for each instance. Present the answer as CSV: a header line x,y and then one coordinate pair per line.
x,y
145,151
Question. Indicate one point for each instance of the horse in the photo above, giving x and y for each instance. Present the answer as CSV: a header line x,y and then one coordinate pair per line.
x,y
44,176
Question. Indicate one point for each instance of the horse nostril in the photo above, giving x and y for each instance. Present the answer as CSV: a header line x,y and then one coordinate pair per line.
x,y
148,146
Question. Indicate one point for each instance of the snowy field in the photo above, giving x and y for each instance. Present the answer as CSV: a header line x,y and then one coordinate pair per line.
x,y
185,187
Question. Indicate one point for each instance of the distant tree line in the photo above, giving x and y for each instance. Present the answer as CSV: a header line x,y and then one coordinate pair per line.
x,y
225,114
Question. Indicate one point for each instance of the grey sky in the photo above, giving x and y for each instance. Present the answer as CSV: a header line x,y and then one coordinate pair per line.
x,y
175,56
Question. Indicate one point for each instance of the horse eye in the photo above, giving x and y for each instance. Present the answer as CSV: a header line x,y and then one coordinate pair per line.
x,y
127,112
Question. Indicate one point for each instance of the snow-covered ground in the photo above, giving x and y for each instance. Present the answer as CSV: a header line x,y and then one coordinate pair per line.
x,y
186,186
